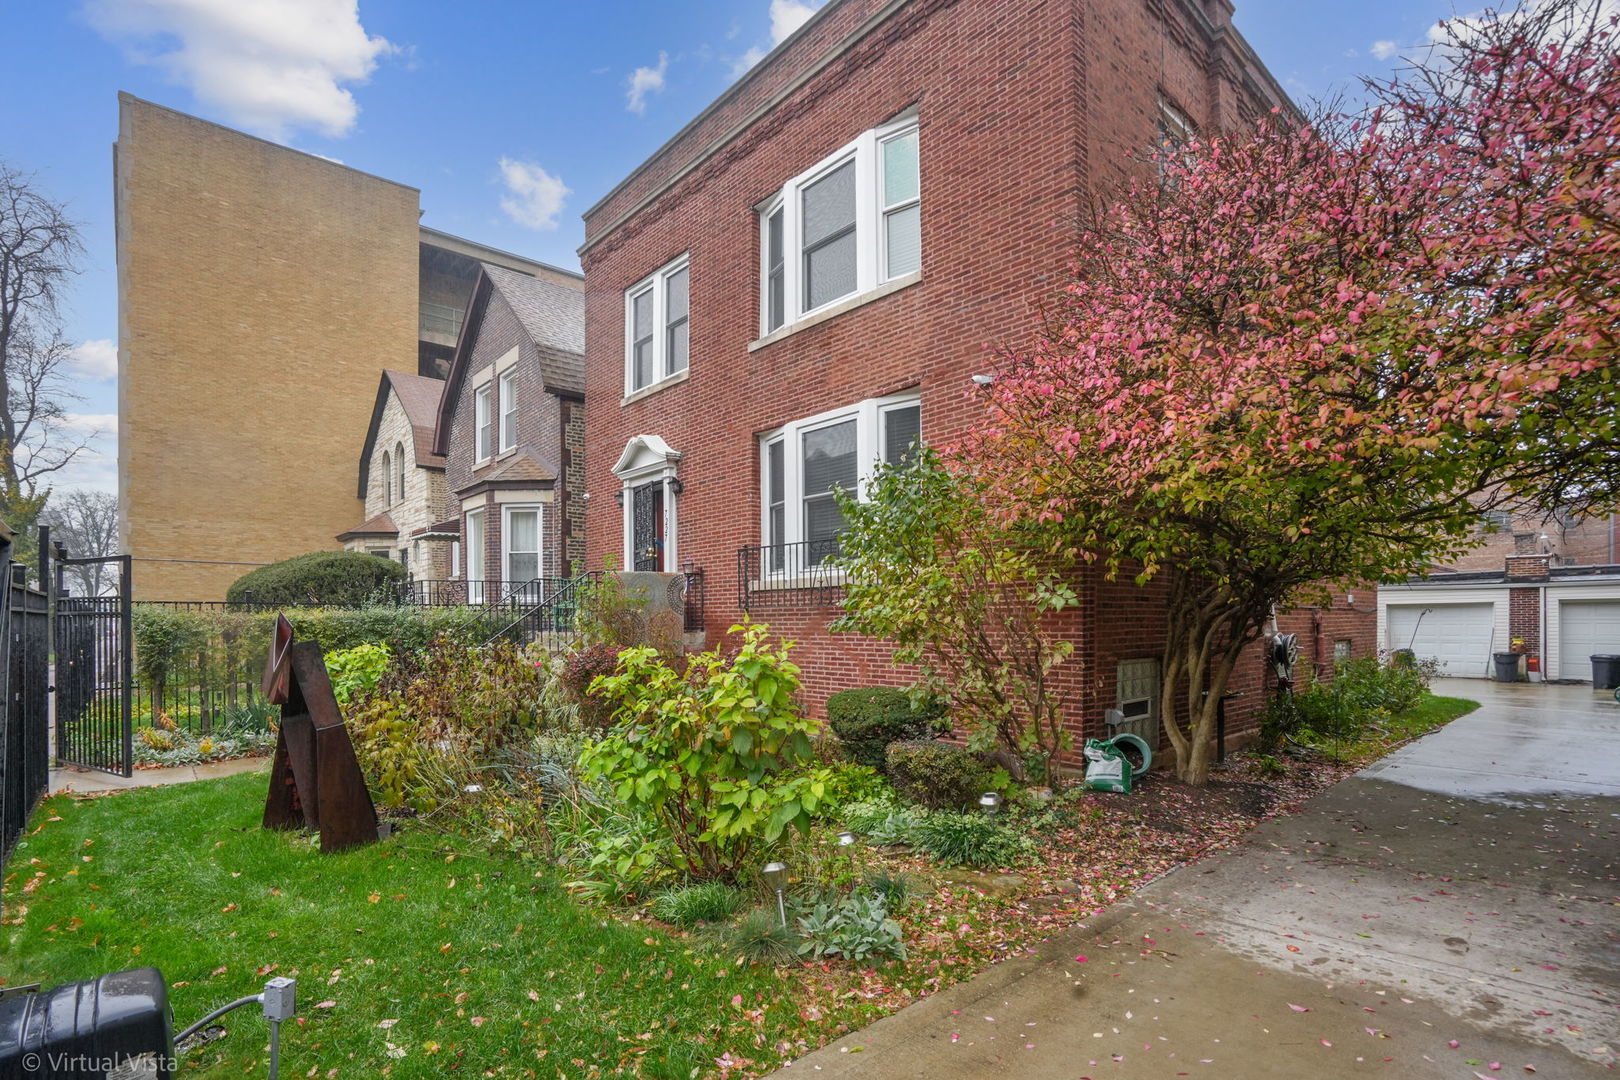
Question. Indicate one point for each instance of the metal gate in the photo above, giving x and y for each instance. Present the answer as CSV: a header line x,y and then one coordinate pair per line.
x,y
94,673
24,728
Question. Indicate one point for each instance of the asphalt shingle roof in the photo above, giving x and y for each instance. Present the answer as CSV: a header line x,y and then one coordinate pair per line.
x,y
554,317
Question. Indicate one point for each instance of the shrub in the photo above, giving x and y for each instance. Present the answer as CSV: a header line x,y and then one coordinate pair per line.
x,y
848,782
1364,692
938,775
895,889
711,754
356,670
882,820
867,719
970,840
582,668
705,902
857,927
320,577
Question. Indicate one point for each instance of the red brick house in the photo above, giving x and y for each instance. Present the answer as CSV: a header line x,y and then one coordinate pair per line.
x,y
510,427
805,277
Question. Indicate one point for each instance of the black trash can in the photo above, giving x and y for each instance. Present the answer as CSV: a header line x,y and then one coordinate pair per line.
x,y
1507,667
1605,671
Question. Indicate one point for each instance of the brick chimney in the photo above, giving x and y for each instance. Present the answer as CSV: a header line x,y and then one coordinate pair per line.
x,y
1529,567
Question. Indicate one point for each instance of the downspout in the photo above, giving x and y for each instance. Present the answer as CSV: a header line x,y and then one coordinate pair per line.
x,y
1541,633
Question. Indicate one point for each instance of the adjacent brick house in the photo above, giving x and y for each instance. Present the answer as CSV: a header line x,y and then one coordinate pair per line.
x,y
510,427
402,479
805,278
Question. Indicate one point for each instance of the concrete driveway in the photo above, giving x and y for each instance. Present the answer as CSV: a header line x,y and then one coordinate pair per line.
x,y
1453,911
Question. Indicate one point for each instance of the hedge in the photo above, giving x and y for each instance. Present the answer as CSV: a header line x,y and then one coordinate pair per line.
x,y
320,577
867,719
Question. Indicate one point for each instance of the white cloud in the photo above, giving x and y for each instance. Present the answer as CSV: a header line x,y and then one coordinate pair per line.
x,y
90,423
644,81
1571,19
96,359
269,65
1383,50
747,60
534,197
787,16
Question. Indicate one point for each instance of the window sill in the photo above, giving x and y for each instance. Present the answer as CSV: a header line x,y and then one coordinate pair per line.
x,y
653,388
818,317
788,582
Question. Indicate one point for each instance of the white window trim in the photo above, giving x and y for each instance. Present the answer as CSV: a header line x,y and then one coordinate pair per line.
x,y
506,541
475,555
870,240
482,402
868,416
656,281
507,393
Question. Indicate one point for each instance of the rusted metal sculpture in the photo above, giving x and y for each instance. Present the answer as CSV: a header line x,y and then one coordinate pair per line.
x,y
315,780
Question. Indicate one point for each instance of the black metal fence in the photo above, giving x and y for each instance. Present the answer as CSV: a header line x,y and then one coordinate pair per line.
x,y
786,575
24,713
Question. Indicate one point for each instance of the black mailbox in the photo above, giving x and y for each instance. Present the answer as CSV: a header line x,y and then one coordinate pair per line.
x,y
117,1026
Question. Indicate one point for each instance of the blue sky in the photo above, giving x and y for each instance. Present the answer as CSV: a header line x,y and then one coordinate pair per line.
x,y
511,116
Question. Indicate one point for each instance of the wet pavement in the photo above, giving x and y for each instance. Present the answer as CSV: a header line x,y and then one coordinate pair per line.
x,y
1453,911
86,781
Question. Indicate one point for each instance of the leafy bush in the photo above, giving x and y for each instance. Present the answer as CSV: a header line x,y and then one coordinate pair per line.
x,y
320,577
356,670
580,669
711,754
848,782
970,840
883,820
857,927
1364,692
246,732
618,851
938,775
705,902
867,719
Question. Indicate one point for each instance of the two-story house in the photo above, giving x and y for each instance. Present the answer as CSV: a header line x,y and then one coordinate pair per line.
x,y
402,478
510,425
804,280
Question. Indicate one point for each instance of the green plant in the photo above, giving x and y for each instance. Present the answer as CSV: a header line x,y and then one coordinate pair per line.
x,y
356,670
883,820
579,670
711,754
932,567
848,782
938,775
1363,693
857,927
867,719
970,840
704,902
1267,765
895,889
320,577
760,938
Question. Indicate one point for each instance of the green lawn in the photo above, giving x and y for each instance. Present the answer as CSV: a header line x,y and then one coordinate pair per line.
x,y
1430,713
414,957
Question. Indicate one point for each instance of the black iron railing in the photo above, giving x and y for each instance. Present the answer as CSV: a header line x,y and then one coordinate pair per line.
x,y
544,610
692,597
780,575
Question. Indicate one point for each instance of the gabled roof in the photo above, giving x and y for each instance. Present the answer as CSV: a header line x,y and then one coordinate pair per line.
x,y
419,397
379,526
553,317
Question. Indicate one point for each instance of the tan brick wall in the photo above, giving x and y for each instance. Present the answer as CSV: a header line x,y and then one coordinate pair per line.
x,y
422,504
261,293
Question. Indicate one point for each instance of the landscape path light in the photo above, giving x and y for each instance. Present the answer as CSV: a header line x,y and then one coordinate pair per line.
x,y
846,838
991,801
775,875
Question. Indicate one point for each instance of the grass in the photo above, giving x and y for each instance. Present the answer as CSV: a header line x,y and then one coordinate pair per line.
x,y
414,957
1433,711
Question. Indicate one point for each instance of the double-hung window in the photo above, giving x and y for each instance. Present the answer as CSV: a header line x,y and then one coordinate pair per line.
x,y
508,395
804,463
520,535
657,333
842,228
475,556
483,423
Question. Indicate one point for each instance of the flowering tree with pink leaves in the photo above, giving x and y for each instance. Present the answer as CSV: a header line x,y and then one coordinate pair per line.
x,y
1317,353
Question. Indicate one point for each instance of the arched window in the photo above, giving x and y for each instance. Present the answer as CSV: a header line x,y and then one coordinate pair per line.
x,y
399,463
387,479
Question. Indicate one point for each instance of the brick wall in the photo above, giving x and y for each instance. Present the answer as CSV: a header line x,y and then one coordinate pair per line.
x,y
1021,105
261,292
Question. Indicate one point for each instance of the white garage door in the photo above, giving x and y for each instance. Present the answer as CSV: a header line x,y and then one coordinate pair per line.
x,y
1457,635
1586,627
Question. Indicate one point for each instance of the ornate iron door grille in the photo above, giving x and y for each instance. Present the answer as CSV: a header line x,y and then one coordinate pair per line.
x,y
646,545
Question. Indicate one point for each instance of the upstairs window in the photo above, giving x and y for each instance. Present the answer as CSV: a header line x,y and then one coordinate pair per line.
x,y
483,423
399,467
508,389
657,333
387,479
842,228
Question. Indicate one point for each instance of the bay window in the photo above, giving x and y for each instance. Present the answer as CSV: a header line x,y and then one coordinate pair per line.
x,y
475,556
803,463
844,227
520,543
657,333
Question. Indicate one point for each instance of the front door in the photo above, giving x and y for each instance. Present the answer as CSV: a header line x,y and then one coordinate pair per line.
x,y
647,526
